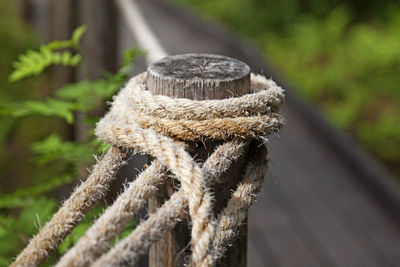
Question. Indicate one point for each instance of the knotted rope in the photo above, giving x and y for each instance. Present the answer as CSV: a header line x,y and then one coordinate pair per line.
x,y
159,127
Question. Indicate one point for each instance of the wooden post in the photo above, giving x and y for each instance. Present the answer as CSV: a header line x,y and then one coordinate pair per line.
x,y
200,77
99,48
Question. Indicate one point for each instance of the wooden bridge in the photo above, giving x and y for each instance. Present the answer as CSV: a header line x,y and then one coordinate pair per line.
x,y
318,207
325,201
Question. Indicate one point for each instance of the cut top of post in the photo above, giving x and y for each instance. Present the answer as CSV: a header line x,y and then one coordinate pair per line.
x,y
199,76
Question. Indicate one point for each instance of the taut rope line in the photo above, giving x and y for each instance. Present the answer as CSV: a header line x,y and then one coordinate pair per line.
x,y
159,126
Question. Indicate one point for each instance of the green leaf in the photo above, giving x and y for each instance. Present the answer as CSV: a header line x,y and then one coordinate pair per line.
x,y
6,222
16,229
77,35
90,94
31,63
54,45
35,214
49,107
74,91
19,197
75,60
128,59
34,62
49,185
9,241
11,201
54,148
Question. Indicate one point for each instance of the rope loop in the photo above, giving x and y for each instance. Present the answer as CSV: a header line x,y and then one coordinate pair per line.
x,y
249,116
161,127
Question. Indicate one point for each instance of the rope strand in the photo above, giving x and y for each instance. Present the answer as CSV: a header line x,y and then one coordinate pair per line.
x,y
128,251
96,240
73,210
160,127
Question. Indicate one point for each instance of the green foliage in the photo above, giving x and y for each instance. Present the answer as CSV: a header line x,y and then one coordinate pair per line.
x,y
81,96
339,56
77,35
54,148
16,231
35,213
15,38
20,196
351,72
49,107
86,94
128,59
34,62
58,159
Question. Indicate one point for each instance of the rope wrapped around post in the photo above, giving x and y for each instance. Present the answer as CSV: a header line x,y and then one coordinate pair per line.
x,y
160,126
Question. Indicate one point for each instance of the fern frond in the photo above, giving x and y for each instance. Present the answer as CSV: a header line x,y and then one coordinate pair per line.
x,y
128,59
72,43
49,107
9,241
18,197
89,94
54,45
10,202
34,62
5,222
77,35
78,92
35,214
54,148
41,188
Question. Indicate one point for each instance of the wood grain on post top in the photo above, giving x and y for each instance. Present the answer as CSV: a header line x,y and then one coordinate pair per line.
x,y
199,77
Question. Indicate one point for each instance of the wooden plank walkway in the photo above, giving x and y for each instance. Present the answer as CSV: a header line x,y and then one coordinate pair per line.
x,y
315,208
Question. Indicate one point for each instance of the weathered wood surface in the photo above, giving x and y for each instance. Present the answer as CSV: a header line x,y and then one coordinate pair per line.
x,y
200,77
314,209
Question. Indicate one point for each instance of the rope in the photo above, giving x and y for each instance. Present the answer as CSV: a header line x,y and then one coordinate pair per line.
x,y
73,210
128,251
235,212
157,125
96,240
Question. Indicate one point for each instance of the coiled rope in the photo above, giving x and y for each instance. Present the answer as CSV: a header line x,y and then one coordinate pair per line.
x,y
160,126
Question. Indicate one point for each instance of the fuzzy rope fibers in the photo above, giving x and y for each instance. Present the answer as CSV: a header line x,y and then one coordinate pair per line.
x,y
159,126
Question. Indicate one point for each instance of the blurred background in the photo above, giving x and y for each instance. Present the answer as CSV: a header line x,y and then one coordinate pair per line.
x,y
332,194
